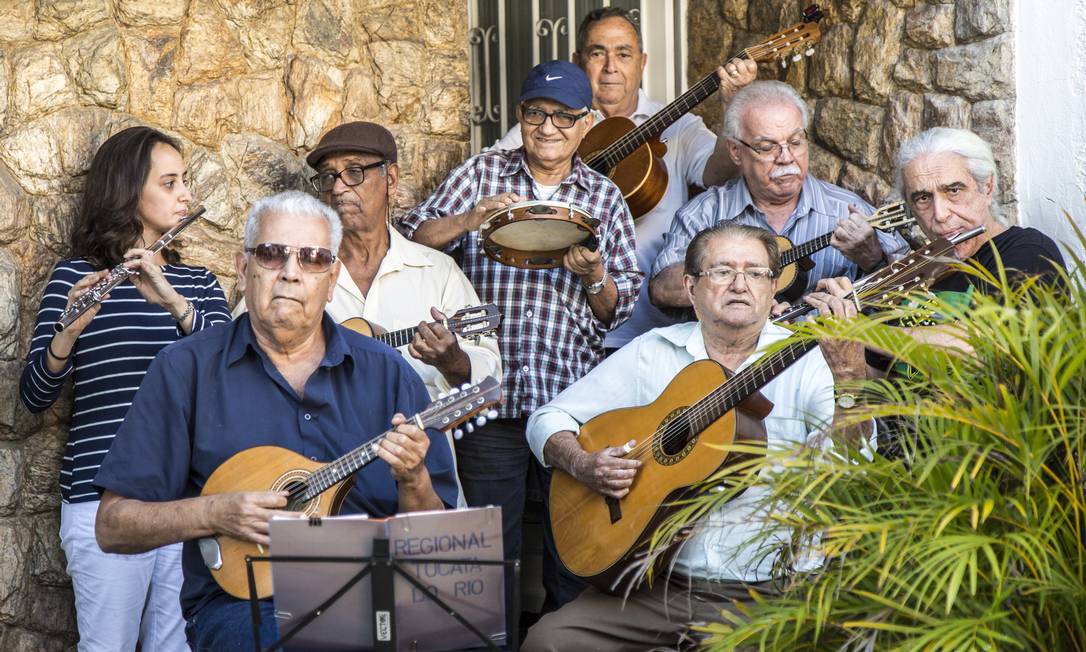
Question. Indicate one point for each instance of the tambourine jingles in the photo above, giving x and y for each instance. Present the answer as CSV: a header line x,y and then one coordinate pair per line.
x,y
536,234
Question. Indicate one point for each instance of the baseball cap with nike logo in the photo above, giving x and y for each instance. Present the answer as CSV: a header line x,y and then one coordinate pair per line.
x,y
560,81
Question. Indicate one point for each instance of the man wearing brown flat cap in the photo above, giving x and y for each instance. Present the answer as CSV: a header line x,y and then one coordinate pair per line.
x,y
387,279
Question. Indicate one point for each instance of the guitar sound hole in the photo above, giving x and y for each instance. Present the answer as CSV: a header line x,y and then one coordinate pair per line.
x,y
678,434
295,503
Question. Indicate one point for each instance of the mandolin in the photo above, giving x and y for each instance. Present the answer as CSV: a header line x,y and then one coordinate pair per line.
x,y
316,489
467,322
680,437
795,263
632,156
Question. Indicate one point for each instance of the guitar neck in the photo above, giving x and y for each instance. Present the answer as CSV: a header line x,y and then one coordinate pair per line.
x,y
805,249
332,473
610,156
739,387
399,338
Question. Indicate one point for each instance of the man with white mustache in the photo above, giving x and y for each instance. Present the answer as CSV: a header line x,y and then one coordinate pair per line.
x,y
765,125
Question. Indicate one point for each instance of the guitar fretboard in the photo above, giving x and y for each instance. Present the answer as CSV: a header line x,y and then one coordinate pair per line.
x,y
737,389
328,475
399,338
806,249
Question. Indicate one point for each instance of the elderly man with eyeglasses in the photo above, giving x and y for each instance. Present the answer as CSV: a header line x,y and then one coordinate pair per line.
x,y
729,276
765,126
554,320
284,374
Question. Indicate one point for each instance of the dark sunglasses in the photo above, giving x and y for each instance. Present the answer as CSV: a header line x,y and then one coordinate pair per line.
x,y
274,256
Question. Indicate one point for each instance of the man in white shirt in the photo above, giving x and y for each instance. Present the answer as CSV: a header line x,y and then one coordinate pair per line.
x,y
610,51
730,278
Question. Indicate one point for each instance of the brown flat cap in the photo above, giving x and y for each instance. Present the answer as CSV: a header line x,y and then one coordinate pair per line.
x,y
365,137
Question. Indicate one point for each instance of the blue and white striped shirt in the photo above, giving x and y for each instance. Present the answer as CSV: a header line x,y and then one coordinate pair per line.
x,y
109,360
821,205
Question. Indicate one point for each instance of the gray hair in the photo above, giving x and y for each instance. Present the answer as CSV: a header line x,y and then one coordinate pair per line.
x,y
756,95
296,203
695,251
966,144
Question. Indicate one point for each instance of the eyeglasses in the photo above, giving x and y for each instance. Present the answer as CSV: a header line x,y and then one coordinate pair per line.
x,y
772,151
725,275
351,176
560,119
274,256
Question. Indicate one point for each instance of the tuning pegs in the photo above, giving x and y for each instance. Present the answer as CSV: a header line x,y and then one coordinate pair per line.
x,y
493,414
480,421
796,57
458,434
809,52
465,386
442,395
784,63
453,390
469,426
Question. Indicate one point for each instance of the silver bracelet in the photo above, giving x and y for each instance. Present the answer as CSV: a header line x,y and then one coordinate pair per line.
x,y
189,309
597,287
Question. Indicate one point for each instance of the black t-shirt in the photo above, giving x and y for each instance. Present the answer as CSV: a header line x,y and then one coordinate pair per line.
x,y
1023,251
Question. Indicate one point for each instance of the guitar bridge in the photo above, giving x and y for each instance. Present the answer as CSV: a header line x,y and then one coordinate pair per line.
x,y
614,509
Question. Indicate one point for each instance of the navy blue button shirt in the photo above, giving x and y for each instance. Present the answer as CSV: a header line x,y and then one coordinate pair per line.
x,y
216,393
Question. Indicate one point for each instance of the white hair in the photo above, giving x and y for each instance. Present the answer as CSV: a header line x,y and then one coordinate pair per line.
x,y
296,203
966,144
756,95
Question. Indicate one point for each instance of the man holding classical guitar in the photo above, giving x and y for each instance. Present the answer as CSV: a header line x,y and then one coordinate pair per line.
x,y
610,51
283,375
765,130
729,277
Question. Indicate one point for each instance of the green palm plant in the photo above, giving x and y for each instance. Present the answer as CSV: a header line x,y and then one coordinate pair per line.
x,y
972,535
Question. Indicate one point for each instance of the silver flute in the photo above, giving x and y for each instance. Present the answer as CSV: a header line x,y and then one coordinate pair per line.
x,y
118,275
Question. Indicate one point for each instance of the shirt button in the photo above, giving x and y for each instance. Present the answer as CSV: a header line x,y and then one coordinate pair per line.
x,y
524,369
527,313
314,458
308,416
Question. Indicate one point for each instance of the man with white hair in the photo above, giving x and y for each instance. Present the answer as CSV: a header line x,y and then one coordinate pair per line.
x,y
284,374
765,126
949,179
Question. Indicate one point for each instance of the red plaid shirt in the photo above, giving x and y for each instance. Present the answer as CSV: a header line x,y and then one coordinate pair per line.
x,y
549,336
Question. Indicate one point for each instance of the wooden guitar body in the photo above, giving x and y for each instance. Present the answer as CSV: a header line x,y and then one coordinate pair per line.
x,y
641,176
264,468
364,326
792,280
597,537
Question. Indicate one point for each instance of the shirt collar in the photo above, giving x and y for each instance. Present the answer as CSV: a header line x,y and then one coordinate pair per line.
x,y
580,173
400,254
690,337
811,198
243,339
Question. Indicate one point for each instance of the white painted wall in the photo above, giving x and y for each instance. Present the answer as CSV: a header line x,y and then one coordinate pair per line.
x,y
1050,118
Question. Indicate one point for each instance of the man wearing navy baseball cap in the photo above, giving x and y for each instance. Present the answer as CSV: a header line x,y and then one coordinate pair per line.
x,y
554,320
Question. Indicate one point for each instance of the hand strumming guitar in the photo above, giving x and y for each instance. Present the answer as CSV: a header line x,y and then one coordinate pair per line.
x,y
404,449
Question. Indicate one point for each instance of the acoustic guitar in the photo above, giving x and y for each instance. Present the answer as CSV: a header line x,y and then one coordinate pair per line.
x,y
467,322
316,489
679,437
795,261
633,156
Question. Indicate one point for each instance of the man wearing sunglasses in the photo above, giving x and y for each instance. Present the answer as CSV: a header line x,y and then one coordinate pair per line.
x,y
765,131
554,319
286,375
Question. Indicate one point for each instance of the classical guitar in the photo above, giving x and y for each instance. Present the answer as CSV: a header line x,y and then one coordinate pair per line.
x,y
467,322
795,261
632,156
679,438
316,489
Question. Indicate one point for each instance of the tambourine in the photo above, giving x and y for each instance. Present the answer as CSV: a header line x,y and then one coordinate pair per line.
x,y
536,234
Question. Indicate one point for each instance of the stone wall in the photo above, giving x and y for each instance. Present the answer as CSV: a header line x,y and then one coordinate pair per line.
x,y
884,71
248,86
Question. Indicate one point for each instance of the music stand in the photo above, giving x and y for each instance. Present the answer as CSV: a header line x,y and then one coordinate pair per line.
x,y
378,606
